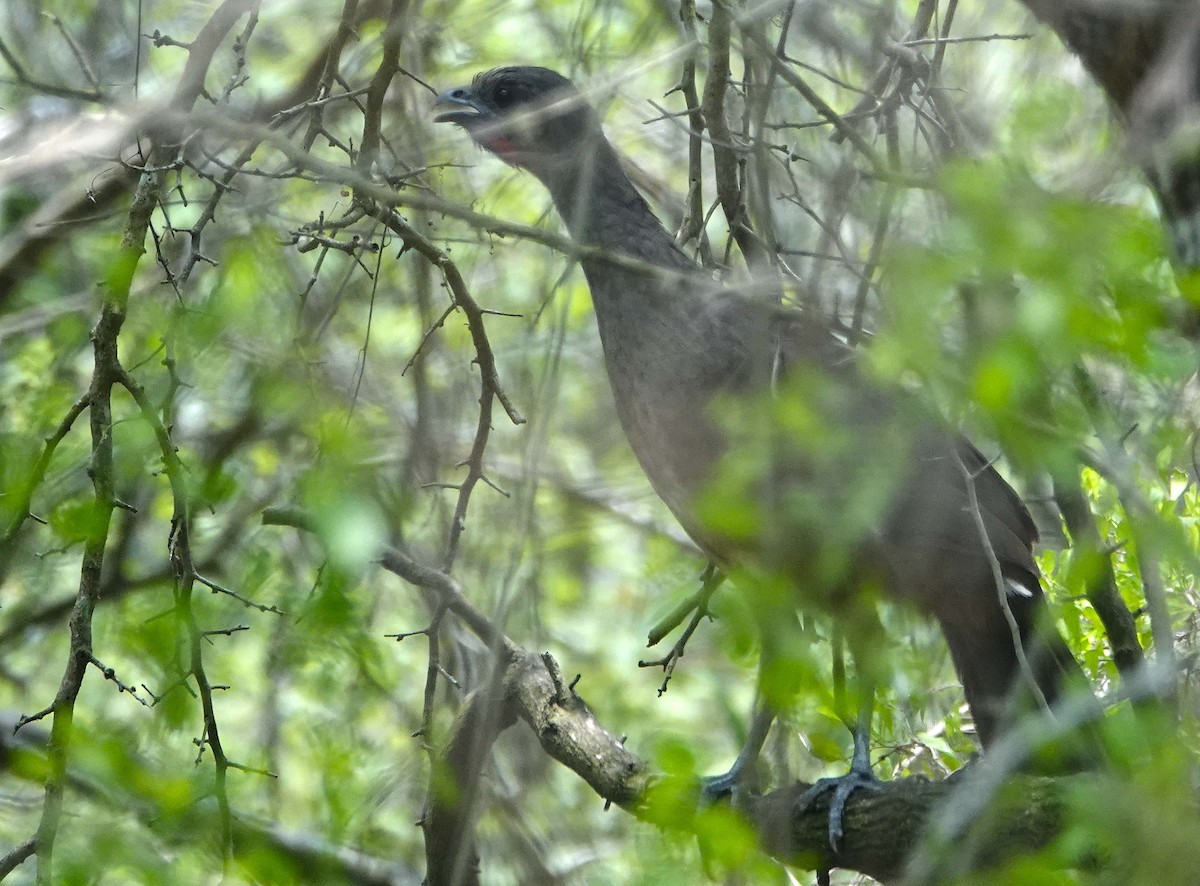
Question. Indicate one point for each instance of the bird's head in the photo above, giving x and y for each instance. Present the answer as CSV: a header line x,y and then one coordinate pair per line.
x,y
528,116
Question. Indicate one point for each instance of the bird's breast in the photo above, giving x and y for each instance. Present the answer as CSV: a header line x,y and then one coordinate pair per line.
x,y
667,379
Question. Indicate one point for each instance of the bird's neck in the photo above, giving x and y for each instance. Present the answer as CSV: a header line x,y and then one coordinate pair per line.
x,y
603,210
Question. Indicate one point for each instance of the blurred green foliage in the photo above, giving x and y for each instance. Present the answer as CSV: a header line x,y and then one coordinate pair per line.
x,y
325,380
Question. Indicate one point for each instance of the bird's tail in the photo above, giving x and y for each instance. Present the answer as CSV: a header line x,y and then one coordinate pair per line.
x,y
1000,687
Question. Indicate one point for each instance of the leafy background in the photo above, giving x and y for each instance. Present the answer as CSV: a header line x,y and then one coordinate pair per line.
x,y
297,367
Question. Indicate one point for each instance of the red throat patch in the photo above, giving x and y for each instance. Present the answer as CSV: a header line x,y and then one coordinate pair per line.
x,y
500,146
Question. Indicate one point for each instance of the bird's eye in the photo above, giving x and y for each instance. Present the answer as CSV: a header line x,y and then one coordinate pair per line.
x,y
503,97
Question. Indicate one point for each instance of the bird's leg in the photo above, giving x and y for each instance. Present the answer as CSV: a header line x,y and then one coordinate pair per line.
x,y
860,775
727,785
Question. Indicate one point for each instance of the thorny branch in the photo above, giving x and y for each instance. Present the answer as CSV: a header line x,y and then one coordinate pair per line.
x,y
697,607
884,829
108,372
490,388
905,79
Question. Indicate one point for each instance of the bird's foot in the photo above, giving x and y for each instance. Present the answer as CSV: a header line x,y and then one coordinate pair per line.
x,y
723,788
743,774
841,787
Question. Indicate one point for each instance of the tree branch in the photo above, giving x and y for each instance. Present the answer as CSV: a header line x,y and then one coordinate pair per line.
x,y
1006,814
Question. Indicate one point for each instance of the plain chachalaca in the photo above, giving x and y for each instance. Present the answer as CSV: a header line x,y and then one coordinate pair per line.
x,y
926,517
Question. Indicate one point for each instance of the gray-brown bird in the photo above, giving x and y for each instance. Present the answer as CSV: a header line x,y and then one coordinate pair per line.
x,y
850,485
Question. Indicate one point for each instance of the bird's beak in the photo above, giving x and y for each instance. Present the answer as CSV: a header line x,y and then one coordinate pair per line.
x,y
459,105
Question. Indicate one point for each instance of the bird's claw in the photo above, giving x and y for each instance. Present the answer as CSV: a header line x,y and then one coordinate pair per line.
x,y
715,788
842,787
721,788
